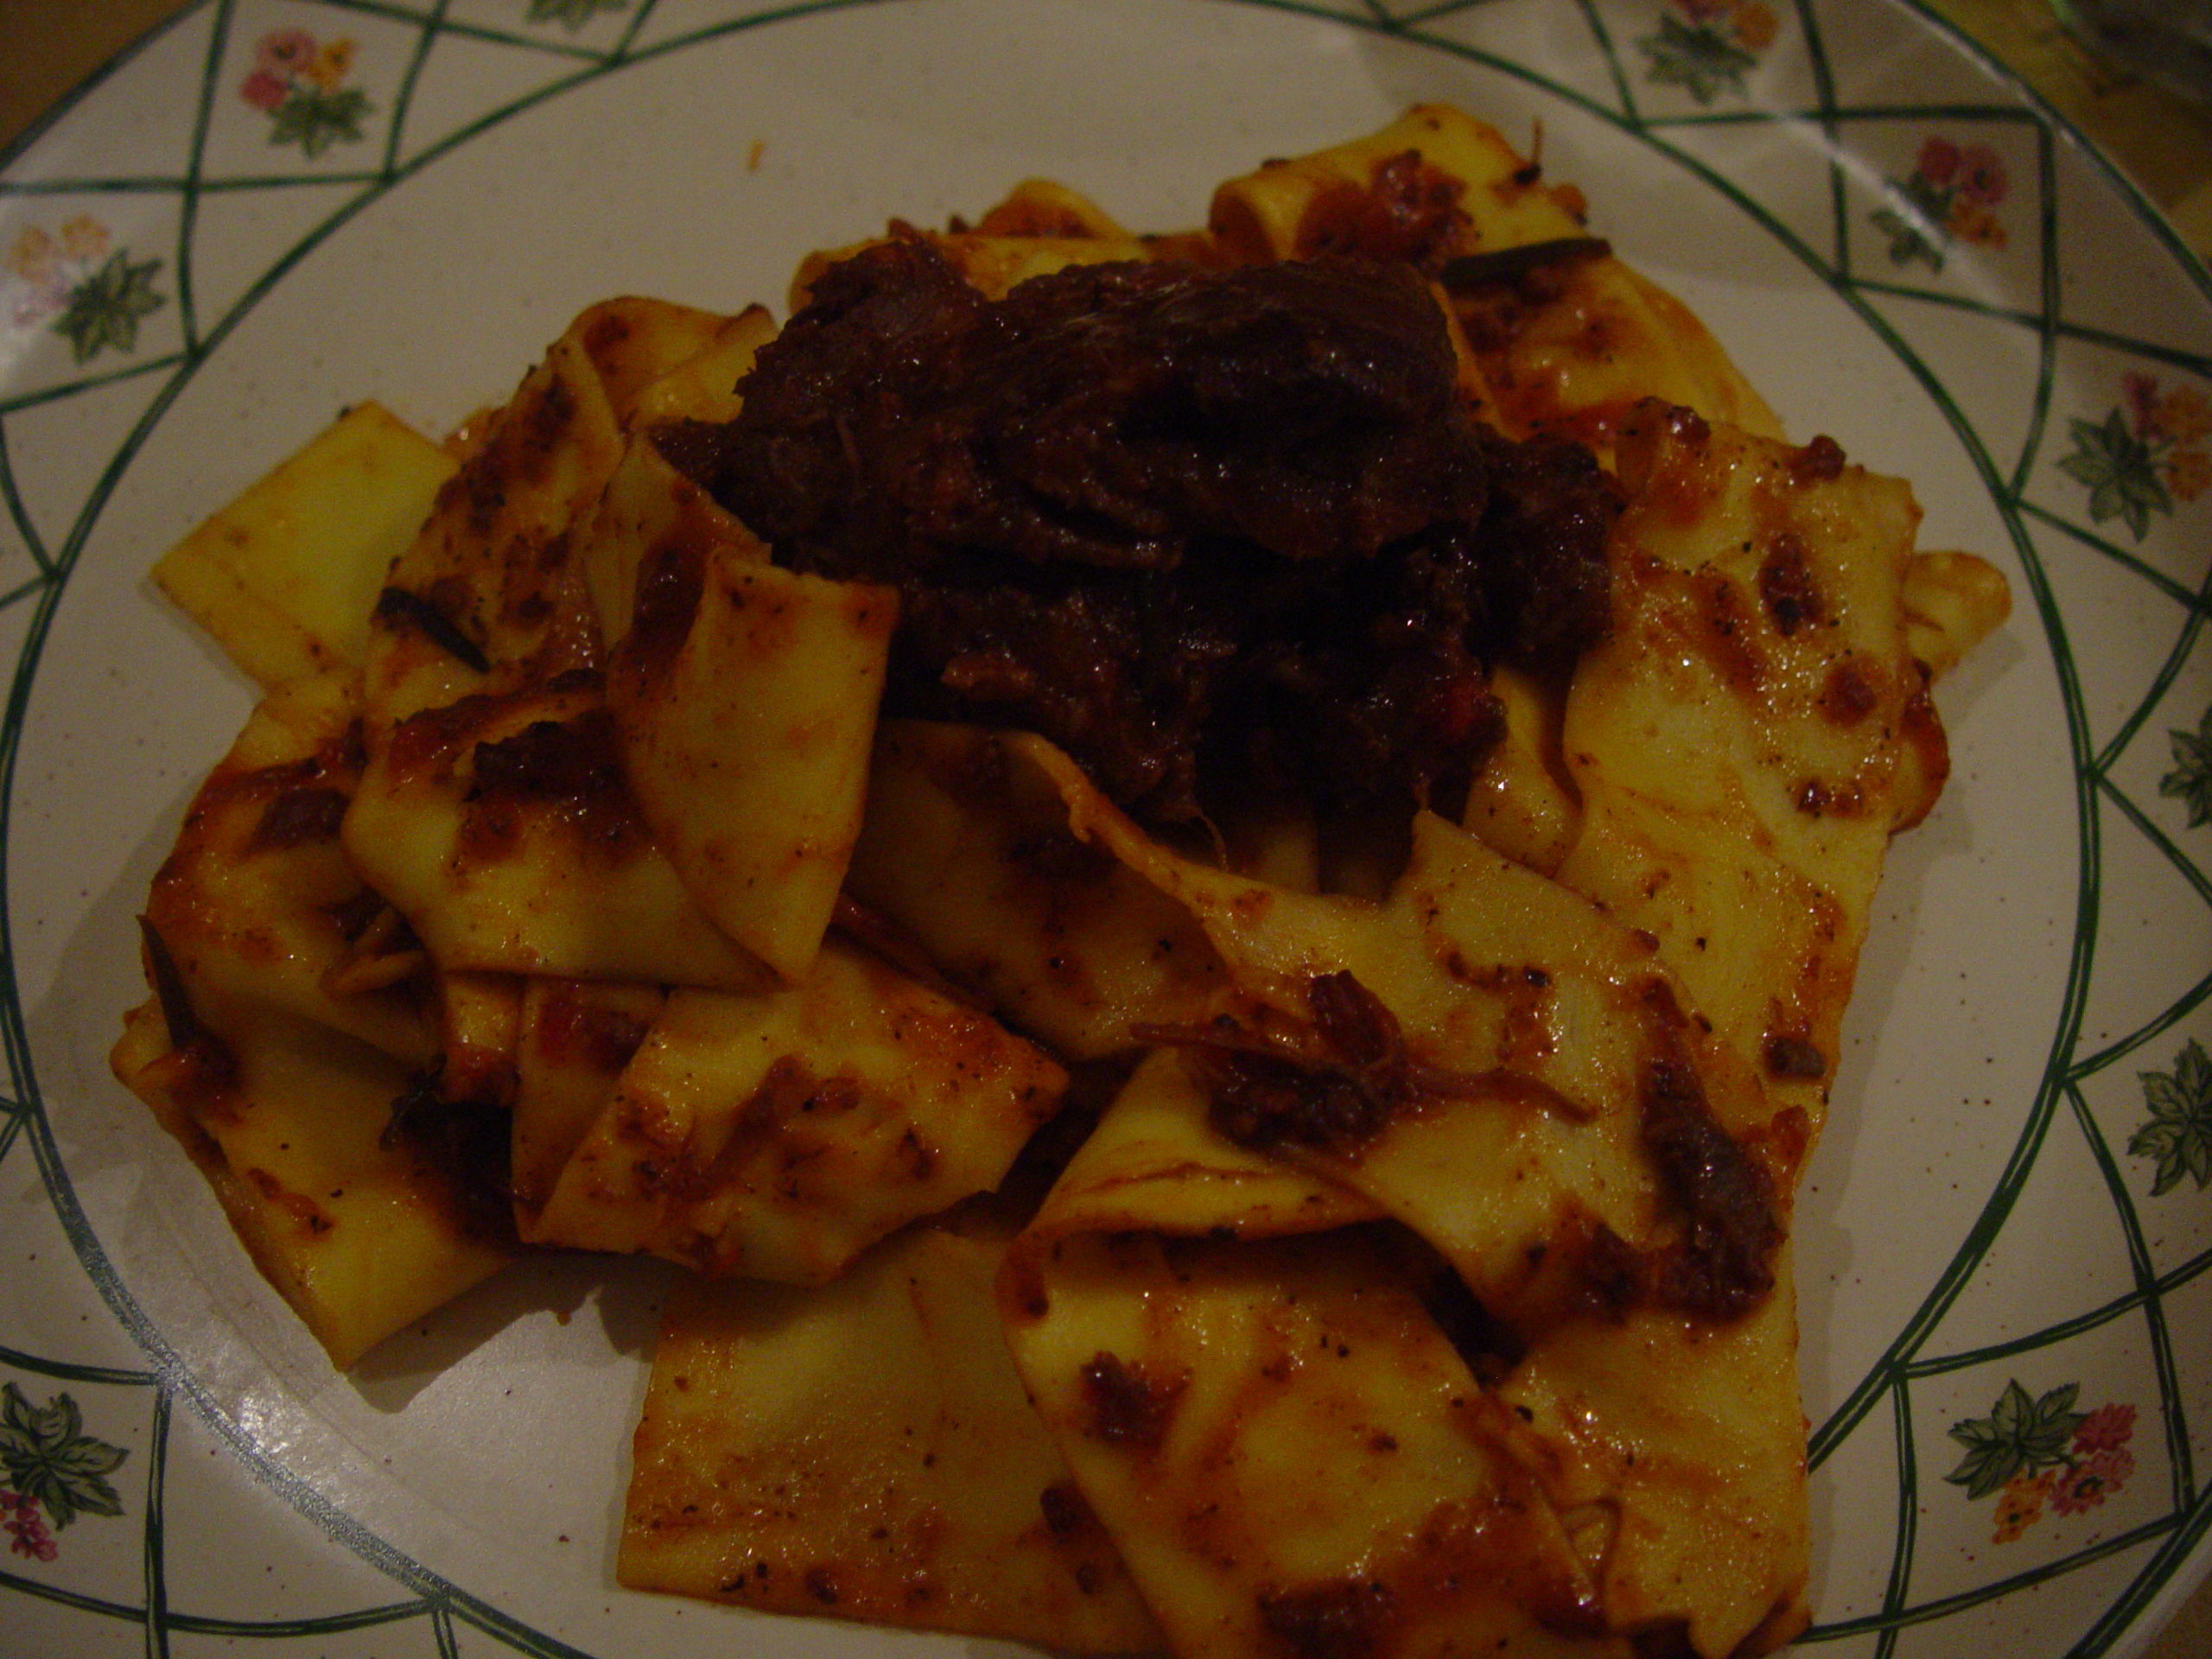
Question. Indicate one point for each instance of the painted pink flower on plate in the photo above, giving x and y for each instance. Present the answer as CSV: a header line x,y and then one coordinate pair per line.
x,y
285,52
299,83
1946,199
263,89
2106,1429
2088,1483
1981,175
26,1528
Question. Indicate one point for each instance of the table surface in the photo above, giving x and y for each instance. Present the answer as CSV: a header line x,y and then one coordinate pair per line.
x,y
2163,142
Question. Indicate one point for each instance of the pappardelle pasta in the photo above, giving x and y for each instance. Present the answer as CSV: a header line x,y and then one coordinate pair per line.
x,y
1206,882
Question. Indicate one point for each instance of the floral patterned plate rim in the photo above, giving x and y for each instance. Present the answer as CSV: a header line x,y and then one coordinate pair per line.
x,y
269,207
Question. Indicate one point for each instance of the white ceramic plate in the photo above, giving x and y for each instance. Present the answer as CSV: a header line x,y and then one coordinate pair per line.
x,y
273,206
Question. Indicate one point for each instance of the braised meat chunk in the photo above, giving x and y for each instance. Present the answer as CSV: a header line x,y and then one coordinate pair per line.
x,y
1214,532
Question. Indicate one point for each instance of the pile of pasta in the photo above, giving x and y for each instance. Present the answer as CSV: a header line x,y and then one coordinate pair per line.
x,y
882,1028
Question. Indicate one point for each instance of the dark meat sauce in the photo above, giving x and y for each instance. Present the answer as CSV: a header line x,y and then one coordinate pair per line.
x,y
1334,1091
1220,534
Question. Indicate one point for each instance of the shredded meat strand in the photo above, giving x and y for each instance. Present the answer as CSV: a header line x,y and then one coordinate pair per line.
x,y
1332,1086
